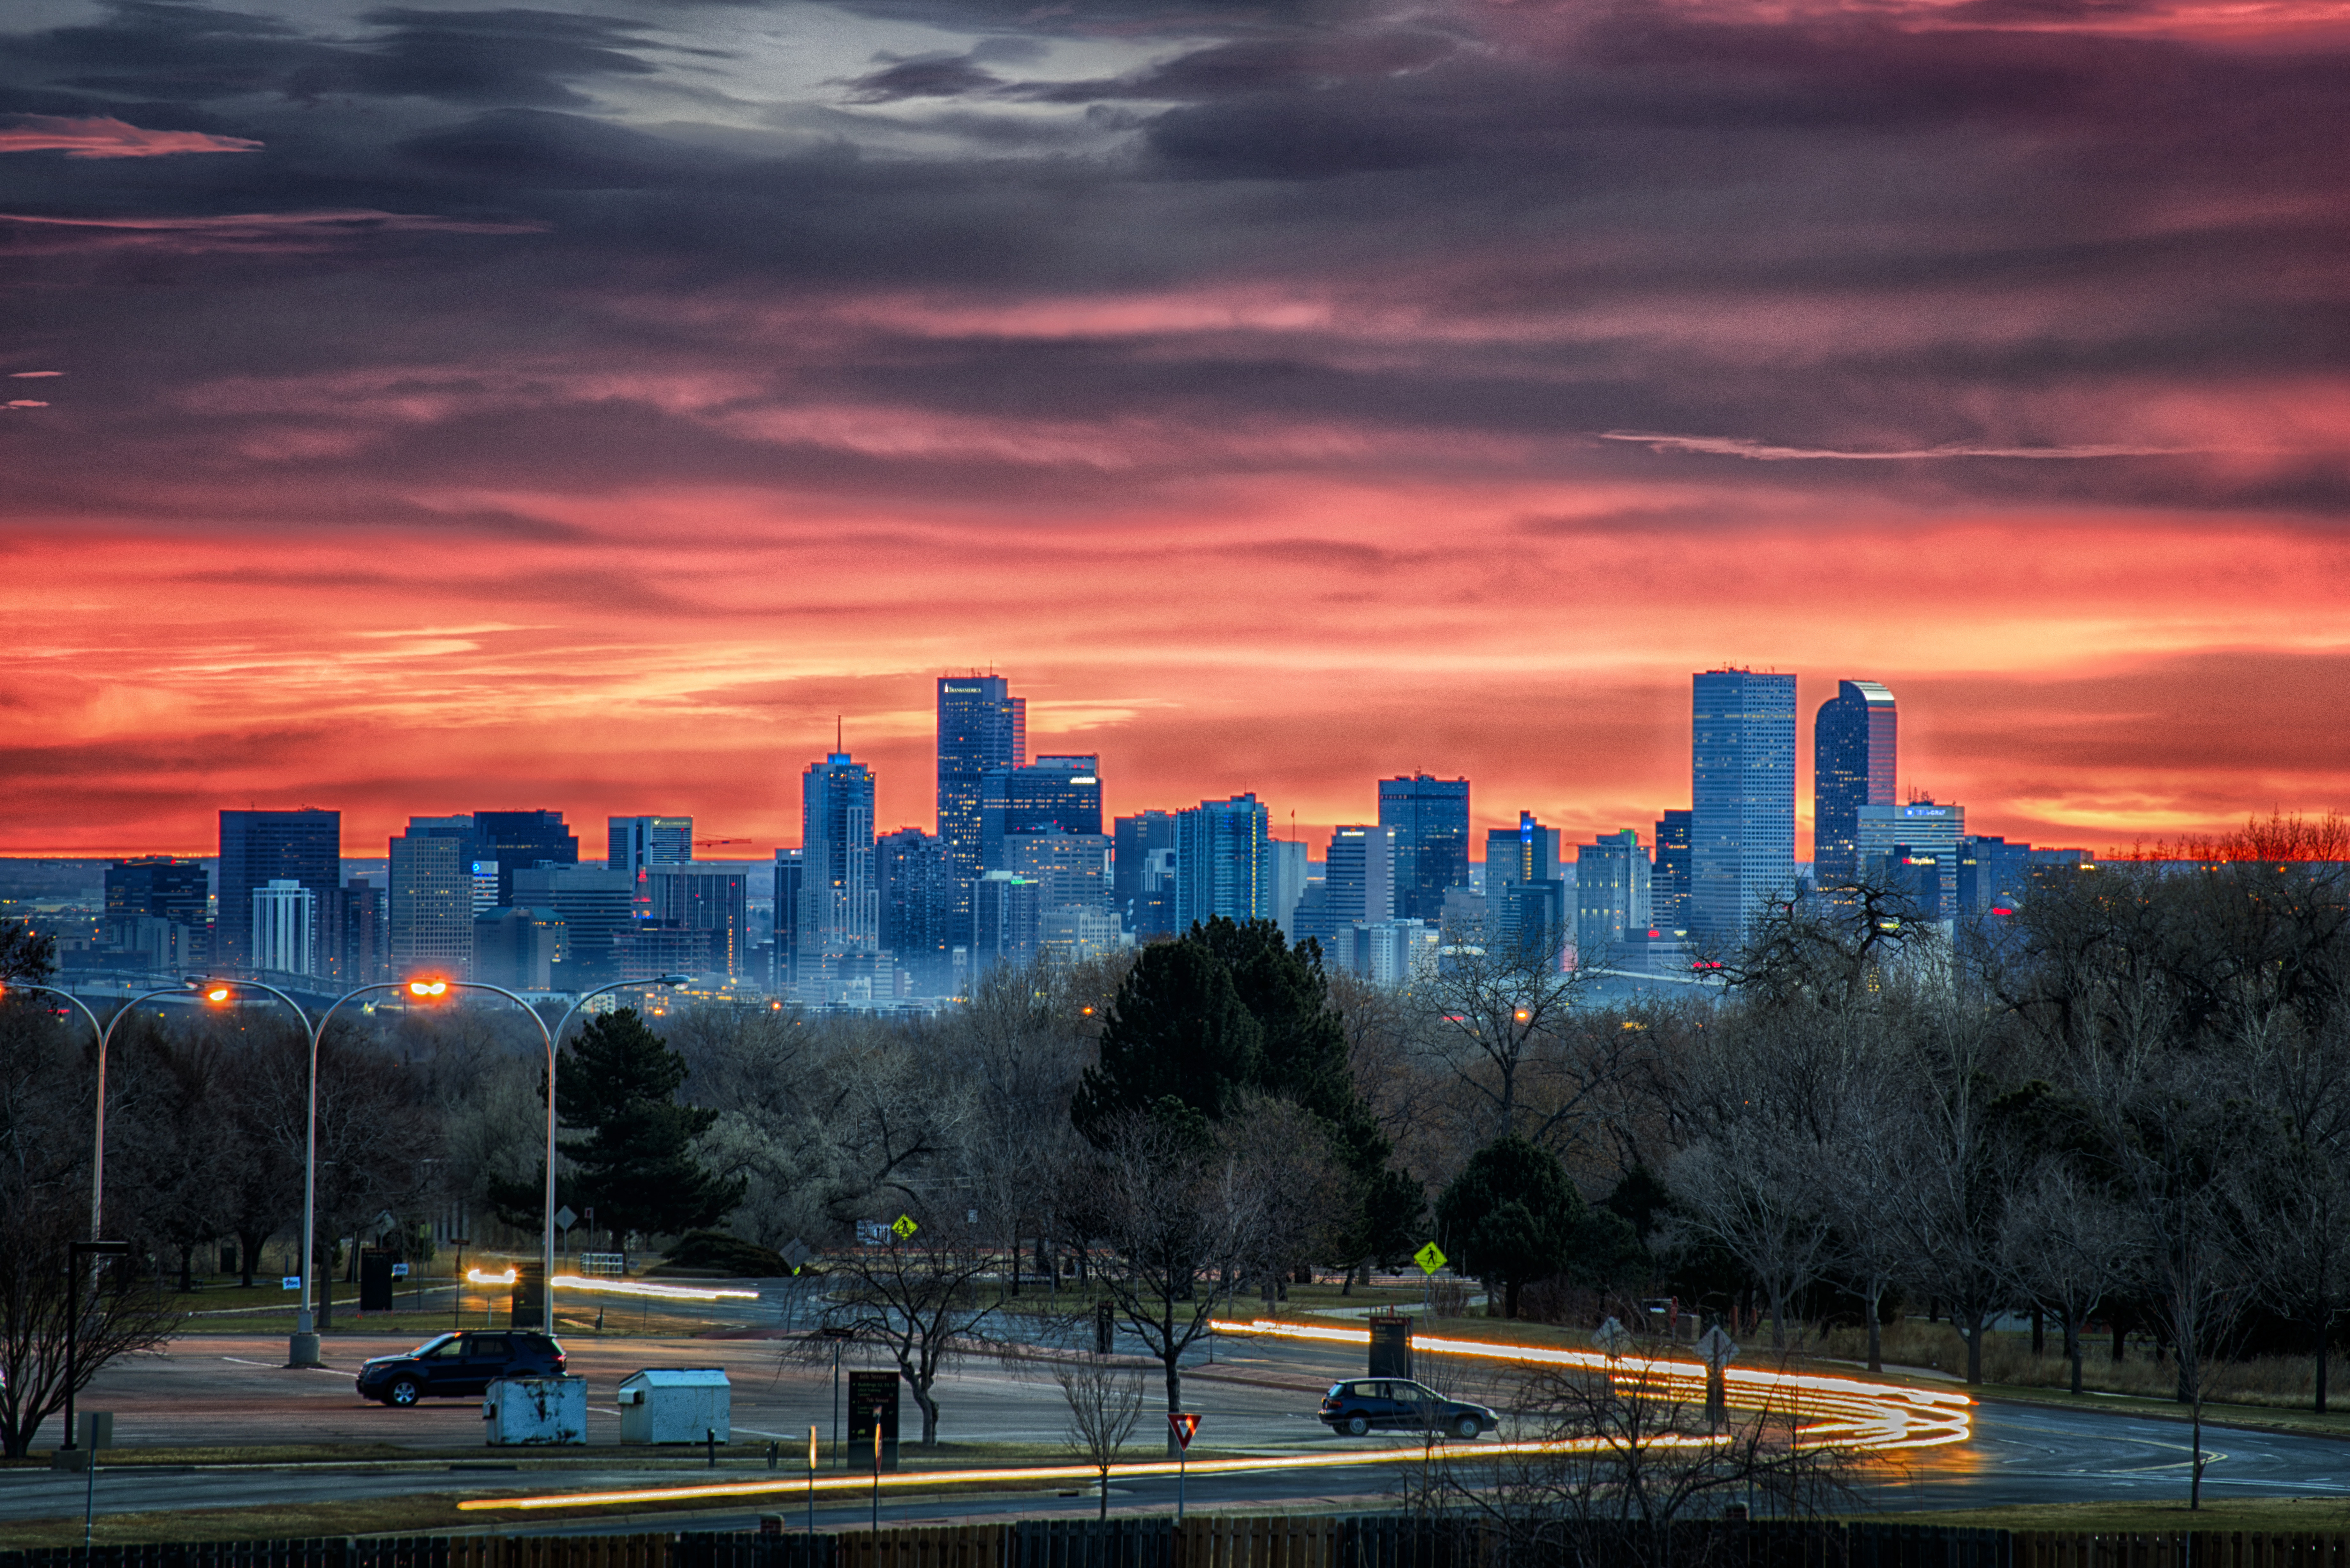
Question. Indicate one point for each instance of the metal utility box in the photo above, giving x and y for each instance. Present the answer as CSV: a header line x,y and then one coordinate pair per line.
x,y
529,1299
539,1411
1391,1347
675,1404
375,1280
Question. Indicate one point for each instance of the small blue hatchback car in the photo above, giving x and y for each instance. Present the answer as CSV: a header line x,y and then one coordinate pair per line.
x,y
1397,1404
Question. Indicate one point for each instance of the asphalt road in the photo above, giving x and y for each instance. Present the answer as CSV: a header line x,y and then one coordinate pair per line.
x,y
1254,1398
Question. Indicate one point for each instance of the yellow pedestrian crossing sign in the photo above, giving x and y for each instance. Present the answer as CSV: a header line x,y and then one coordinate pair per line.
x,y
904,1226
1429,1258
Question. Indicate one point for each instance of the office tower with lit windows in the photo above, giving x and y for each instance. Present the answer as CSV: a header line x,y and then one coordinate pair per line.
x,y
840,908
1668,881
598,906
982,728
635,843
791,866
1431,818
258,848
1050,794
432,897
712,898
519,841
915,887
1220,862
1741,798
1854,742
1359,878
1143,897
1612,907
1914,846
285,928
1526,888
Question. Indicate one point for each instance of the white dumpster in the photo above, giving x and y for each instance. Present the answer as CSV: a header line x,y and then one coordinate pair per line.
x,y
674,1405
535,1410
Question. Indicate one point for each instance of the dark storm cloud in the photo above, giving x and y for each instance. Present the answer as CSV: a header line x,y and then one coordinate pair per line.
x,y
2001,230
169,51
931,76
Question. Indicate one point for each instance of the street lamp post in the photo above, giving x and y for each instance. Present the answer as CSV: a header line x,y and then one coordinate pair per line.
x,y
303,1349
105,1034
550,1038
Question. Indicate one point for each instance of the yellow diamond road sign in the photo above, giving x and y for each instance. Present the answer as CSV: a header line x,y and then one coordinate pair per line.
x,y
1429,1258
904,1226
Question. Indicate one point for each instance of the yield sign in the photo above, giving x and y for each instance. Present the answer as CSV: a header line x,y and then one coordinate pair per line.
x,y
1185,1423
1429,1258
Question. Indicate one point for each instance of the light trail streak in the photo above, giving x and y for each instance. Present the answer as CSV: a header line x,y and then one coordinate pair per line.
x,y
863,1484
658,1293
1837,1412
1848,1412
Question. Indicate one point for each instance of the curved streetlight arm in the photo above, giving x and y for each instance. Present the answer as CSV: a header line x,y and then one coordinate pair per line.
x,y
552,1038
305,1325
104,1033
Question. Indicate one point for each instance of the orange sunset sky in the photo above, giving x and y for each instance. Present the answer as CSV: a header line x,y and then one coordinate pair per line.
x,y
423,410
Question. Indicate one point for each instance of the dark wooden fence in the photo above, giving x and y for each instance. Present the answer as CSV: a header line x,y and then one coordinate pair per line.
x,y
1369,1540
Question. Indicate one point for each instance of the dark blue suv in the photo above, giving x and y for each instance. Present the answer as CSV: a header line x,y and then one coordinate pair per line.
x,y
460,1366
1397,1404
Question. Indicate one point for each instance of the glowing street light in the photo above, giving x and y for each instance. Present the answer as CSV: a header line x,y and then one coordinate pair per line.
x,y
303,1350
105,1033
430,988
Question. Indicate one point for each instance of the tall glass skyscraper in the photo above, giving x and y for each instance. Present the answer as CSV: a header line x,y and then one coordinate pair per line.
x,y
982,727
1220,861
1668,885
258,848
1741,797
1853,746
1052,795
1430,817
840,908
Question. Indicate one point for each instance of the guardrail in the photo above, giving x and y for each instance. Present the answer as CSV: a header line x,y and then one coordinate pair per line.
x,y
1364,1541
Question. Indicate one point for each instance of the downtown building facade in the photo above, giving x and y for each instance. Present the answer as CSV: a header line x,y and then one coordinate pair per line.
x,y
1741,798
1431,818
1855,739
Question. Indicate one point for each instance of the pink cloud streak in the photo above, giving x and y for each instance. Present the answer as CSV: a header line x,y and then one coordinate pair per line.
x,y
106,137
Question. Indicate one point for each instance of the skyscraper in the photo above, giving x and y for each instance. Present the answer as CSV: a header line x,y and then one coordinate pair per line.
x,y
634,843
1741,797
711,898
285,928
520,840
1430,817
1525,889
258,848
431,904
1612,905
1134,840
1220,862
982,727
597,908
840,912
1360,878
1050,794
1668,883
1915,846
916,894
1853,748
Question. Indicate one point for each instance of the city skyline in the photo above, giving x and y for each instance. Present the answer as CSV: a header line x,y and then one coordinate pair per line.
x,y
1122,796
590,409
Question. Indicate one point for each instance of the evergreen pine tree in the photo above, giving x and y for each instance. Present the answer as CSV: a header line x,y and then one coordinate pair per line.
x,y
636,1167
